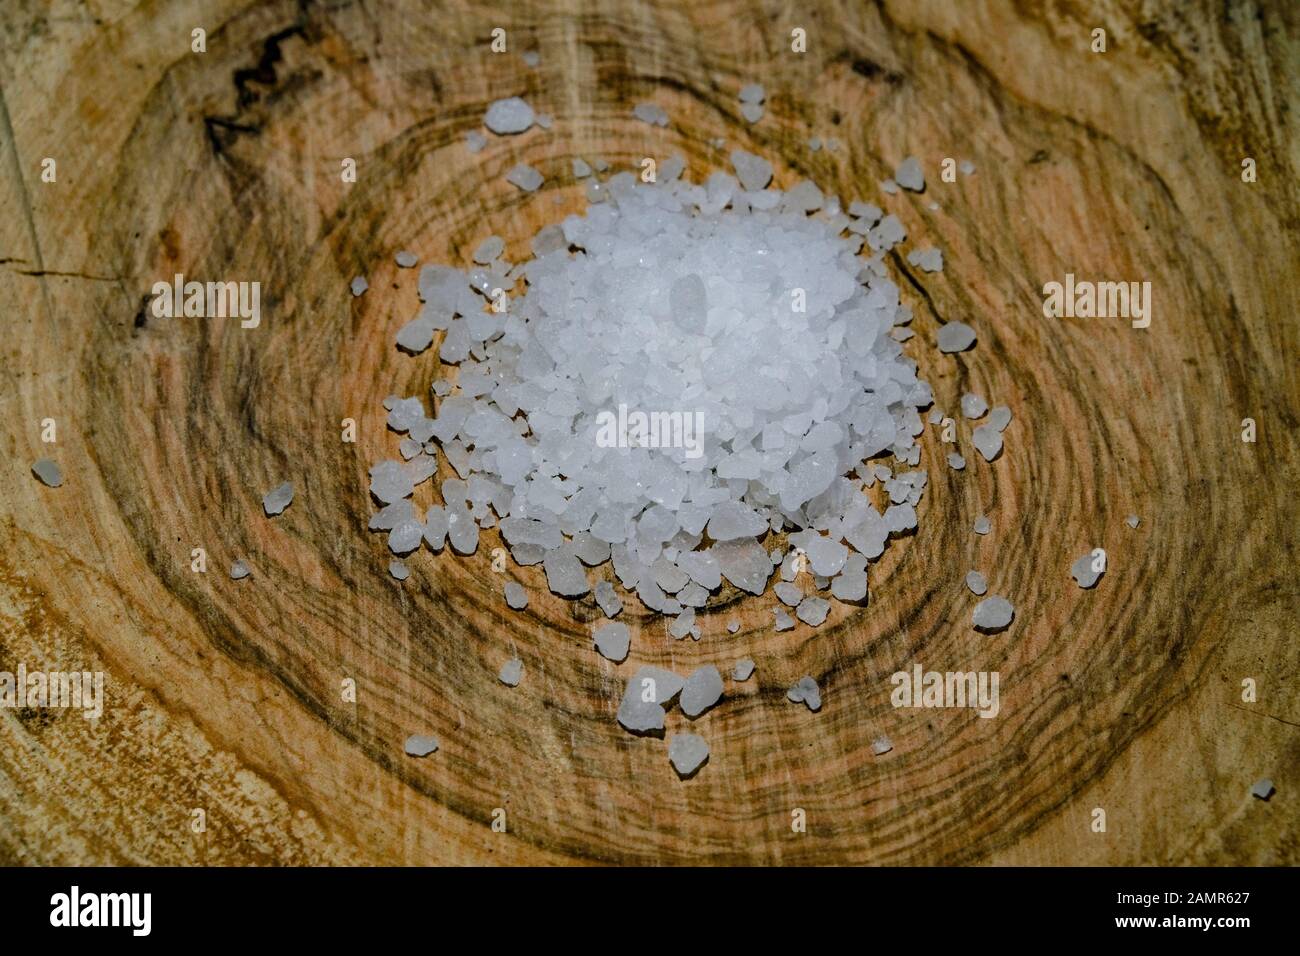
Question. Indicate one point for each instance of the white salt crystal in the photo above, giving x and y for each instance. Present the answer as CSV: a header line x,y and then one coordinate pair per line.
x,y
239,570
966,167
277,499
955,461
752,93
512,672
701,691
1132,521
1262,789
753,171
733,627
420,745
973,406
987,441
415,336
650,113
882,745
909,174
531,58
544,120
982,524
806,691
929,260
743,670
516,596
789,594
580,169
406,259
687,753
399,570
889,186
475,141
49,474
511,115
955,337
359,285
609,601
1083,571
1000,417
564,574
993,613
489,249
683,625
784,621
813,610
525,177
976,582
752,112
405,536
613,640
815,144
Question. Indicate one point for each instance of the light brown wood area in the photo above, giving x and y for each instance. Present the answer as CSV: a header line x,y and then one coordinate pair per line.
x,y
226,696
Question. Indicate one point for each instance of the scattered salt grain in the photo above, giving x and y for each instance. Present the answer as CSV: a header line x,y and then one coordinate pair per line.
x,y
1132,521
982,525
743,670
881,745
1262,789
889,186
973,406
48,472
733,627
754,172
987,441
525,177
613,641
512,672
789,594
531,58
956,337
976,582
1000,417
511,115
651,113
516,596
701,691
752,112
993,614
239,570
277,499
545,120
813,610
784,621
581,170
399,570
1084,571
752,93
955,461
909,175
359,285
928,260
815,144
966,167
805,691
687,753
489,250
475,141
406,259
610,603
420,745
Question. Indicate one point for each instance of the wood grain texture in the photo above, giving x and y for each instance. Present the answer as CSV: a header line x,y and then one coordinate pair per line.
x,y
226,696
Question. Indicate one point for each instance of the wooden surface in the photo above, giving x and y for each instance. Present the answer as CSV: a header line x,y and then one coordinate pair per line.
x,y
226,695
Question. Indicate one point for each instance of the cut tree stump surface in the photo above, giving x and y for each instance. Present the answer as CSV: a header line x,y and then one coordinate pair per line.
x,y
228,697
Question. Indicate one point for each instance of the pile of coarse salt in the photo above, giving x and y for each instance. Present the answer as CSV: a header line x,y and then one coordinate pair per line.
x,y
683,374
